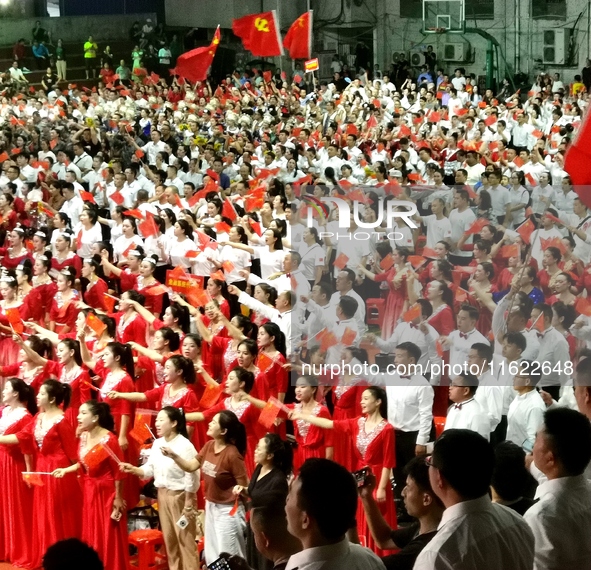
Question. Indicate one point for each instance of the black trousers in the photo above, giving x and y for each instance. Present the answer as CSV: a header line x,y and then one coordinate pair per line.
x,y
233,299
405,443
554,391
500,433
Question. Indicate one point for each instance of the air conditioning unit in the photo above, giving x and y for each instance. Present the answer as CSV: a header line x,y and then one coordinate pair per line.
x,y
555,50
417,59
456,51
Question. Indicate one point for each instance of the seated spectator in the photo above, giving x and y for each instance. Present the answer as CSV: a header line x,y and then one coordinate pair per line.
x,y
71,554
420,502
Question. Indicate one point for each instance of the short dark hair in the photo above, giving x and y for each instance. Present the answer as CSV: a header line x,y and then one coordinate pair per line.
x,y
510,477
527,368
466,460
517,339
545,309
418,471
348,305
334,511
484,350
411,348
71,554
472,311
569,435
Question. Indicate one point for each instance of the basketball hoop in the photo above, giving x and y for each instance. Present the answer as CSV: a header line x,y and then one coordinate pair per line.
x,y
443,16
437,30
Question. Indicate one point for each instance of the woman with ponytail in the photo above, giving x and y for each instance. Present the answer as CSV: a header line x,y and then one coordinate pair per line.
x,y
223,456
441,298
96,287
373,439
16,456
104,525
273,458
271,358
44,283
116,369
58,511
31,372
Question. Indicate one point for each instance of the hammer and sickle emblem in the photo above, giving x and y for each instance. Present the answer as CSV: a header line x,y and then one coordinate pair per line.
x,y
262,25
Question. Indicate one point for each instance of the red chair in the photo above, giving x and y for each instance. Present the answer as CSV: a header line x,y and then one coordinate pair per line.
x,y
147,558
375,309
439,424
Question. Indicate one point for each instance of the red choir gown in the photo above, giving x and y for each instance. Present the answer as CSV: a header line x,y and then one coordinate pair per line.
x,y
34,378
64,313
82,389
47,291
94,296
72,260
107,536
219,356
133,329
200,432
442,320
374,450
58,504
135,281
312,441
347,405
9,350
16,498
249,417
9,262
277,376
395,301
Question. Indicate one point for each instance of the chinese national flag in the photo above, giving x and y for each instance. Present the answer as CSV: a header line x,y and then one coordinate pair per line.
x,y
210,396
341,261
583,306
348,337
228,210
259,34
269,413
109,302
148,226
477,226
510,251
298,40
33,478
194,64
87,197
525,230
412,313
14,318
95,324
576,162
117,197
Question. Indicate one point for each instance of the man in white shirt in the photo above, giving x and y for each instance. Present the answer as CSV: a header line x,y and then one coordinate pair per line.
x,y
561,519
527,409
460,341
27,172
152,148
438,225
344,286
580,227
81,159
321,294
536,168
465,412
73,205
542,195
473,167
320,508
461,218
499,196
547,230
489,394
474,533
553,355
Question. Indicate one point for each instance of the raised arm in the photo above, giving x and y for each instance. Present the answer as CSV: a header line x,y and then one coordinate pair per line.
x,y
84,352
148,316
323,423
189,465
33,356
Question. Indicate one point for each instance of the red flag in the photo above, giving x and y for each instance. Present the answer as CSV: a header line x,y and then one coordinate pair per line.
x,y
583,306
387,262
416,260
510,250
525,230
33,478
412,313
117,197
576,161
477,226
269,413
222,228
148,227
228,210
87,196
79,240
137,214
259,33
210,396
490,120
348,337
194,64
109,301
14,318
228,266
95,325
298,40
96,455
428,252
341,261
256,226
154,290
553,242
372,122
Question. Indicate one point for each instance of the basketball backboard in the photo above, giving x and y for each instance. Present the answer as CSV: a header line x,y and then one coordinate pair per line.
x,y
443,16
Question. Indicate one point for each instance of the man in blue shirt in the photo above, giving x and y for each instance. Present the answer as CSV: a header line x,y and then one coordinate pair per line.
x,y
425,76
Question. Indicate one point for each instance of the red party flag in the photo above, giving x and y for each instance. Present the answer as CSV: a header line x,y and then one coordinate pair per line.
x,y
583,306
525,230
298,40
348,337
510,251
117,197
210,396
477,226
95,325
193,65
87,197
33,478
341,261
228,210
412,313
259,33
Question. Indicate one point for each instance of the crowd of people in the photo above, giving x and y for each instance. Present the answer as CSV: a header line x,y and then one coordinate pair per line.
x,y
187,298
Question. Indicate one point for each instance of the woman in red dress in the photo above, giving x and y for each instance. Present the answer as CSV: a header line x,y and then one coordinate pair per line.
x,y
32,308
441,298
104,525
64,307
247,355
9,292
130,326
238,383
68,369
397,299
44,283
175,316
32,373
481,287
116,370
58,504
64,257
14,255
16,456
507,275
271,358
374,444
214,288
94,295
562,286
551,261
8,216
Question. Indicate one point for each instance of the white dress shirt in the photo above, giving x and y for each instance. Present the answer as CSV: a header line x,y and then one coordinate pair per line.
x,y
468,415
481,535
359,313
525,416
167,474
490,396
437,230
460,222
459,346
561,524
554,352
337,556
